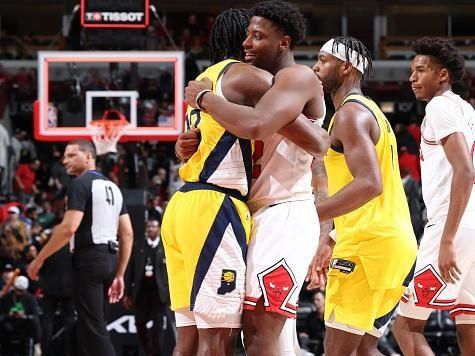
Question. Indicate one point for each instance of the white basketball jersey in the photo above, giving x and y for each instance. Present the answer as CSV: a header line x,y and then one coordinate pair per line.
x,y
283,173
445,114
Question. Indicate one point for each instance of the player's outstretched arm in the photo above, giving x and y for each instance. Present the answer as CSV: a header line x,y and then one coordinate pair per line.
x,y
352,127
293,88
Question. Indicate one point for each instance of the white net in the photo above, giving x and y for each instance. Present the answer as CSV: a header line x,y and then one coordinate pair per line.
x,y
106,137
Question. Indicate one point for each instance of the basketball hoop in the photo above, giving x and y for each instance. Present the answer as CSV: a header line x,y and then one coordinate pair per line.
x,y
108,130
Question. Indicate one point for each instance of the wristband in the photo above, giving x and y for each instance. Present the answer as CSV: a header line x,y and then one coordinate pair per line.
x,y
178,156
199,97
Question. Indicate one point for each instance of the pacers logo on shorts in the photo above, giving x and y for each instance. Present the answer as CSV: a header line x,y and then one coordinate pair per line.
x,y
228,281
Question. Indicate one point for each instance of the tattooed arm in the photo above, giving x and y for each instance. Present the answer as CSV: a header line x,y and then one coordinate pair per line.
x,y
319,267
320,191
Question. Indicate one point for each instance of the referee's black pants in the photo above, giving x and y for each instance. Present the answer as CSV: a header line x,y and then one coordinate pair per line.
x,y
94,269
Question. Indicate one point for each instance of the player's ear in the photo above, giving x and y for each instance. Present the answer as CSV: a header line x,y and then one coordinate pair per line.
x,y
285,42
346,67
444,76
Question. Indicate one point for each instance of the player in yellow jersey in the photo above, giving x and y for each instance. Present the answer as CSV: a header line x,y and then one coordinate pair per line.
x,y
375,246
206,225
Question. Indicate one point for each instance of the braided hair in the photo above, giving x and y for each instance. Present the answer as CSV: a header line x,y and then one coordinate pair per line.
x,y
227,35
286,16
445,52
356,45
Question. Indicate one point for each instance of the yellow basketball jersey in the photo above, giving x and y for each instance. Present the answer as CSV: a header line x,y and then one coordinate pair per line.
x,y
382,223
222,159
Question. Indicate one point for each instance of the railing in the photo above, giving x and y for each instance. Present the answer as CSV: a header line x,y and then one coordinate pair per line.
x,y
400,47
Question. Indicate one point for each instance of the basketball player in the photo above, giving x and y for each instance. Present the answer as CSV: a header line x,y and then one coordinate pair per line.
x,y
281,198
445,270
375,246
207,268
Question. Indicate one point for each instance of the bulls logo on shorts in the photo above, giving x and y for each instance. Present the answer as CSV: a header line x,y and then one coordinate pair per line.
x,y
278,284
427,287
228,281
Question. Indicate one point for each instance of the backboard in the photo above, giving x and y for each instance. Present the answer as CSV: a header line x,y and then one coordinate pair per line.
x,y
76,88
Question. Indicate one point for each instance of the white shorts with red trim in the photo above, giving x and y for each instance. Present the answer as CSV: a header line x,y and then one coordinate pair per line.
x,y
428,291
284,239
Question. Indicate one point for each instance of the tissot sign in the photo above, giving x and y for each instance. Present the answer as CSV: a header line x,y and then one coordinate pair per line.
x,y
114,14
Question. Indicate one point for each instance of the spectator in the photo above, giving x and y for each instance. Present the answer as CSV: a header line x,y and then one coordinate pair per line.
x,y
5,150
46,218
147,291
312,337
409,162
167,115
35,234
27,148
92,80
29,254
154,208
404,138
13,213
57,303
17,146
59,179
8,203
415,129
25,180
4,90
12,244
7,279
413,192
19,310
193,25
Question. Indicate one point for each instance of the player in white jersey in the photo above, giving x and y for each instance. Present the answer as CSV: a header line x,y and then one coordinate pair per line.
x,y
285,224
445,270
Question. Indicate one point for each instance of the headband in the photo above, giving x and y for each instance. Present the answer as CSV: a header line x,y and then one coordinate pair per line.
x,y
357,60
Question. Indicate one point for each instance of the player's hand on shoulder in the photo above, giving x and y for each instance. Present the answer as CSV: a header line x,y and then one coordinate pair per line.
x,y
194,87
187,144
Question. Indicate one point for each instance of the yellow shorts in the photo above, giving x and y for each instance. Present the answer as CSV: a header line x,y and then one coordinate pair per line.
x,y
350,301
205,234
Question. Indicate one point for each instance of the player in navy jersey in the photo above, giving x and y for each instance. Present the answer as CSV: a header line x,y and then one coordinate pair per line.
x,y
95,215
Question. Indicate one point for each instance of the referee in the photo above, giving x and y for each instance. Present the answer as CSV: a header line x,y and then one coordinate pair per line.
x,y
95,214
